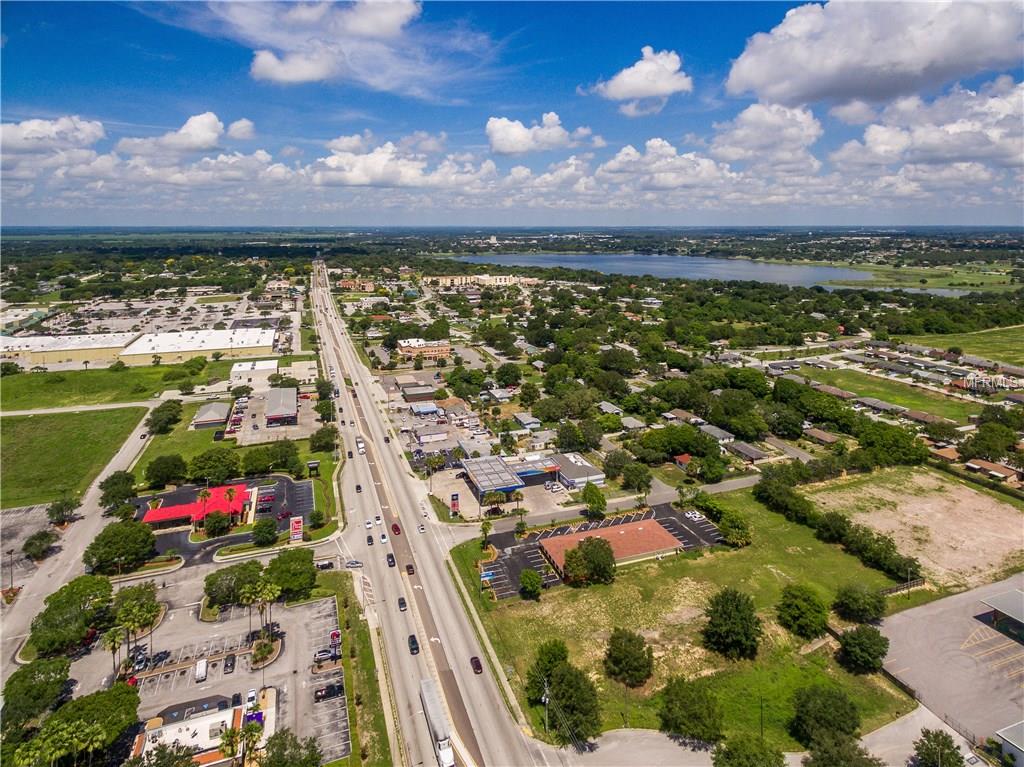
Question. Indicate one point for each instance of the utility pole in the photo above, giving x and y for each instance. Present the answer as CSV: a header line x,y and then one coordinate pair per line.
x,y
545,700
10,555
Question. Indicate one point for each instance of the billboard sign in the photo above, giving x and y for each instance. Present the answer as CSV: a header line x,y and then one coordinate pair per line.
x,y
295,528
455,503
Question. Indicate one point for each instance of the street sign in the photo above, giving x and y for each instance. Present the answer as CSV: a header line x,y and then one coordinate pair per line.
x,y
335,635
295,528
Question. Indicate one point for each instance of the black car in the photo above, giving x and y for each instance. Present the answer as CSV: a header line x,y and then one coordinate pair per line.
x,y
236,700
328,692
391,560
475,663
387,440
229,664
410,569
414,645
359,488
349,453
402,606
369,541
326,564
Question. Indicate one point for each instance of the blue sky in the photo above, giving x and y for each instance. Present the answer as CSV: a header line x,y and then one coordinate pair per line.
x,y
511,113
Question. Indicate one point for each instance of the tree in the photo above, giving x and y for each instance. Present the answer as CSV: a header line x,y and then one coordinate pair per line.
x,y
112,640
62,511
598,559
120,547
863,649
735,528
164,755
628,658
69,612
250,738
226,585
859,603
9,369
574,698
230,743
747,751
636,476
317,519
802,611
615,462
293,572
241,391
118,488
528,394
216,465
570,438
284,749
550,654
37,545
936,748
325,409
690,709
165,470
822,710
485,531
324,439
264,532
832,750
574,569
33,689
530,584
508,374
113,711
162,418
216,524
595,500
733,628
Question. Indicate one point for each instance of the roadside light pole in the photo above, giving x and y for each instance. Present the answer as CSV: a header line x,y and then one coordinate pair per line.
x,y
10,556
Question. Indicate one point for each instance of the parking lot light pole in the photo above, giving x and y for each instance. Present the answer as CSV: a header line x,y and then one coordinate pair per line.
x,y
10,555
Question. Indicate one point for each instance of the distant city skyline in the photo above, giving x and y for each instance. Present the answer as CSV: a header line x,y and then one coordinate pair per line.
x,y
505,115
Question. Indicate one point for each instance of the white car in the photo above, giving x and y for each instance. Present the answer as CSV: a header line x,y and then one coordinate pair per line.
x,y
250,700
383,537
369,525
377,520
422,529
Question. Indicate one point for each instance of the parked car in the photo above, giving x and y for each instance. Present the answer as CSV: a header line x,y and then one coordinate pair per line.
x,y
402,606
229,664
414,645
328,692
477,666
321,655
391,560
282,515
326,564
250,700
236,700
395,528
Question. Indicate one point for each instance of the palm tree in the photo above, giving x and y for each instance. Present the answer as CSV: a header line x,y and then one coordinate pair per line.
x,y
229,742
229,495
272,593
516,496
203,495
251,734
248,597
112,640
485,530
95,738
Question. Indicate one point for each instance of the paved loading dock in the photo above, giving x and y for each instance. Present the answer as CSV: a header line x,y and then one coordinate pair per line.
x,y
981,687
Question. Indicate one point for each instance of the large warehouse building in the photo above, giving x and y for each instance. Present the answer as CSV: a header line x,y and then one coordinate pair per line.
x,y
179,347
96,348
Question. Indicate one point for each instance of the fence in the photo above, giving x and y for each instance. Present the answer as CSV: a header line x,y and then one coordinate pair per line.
x,y
976,479
914,584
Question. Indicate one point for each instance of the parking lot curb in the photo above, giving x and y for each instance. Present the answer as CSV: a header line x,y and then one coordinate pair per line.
x,y
220,558
128,577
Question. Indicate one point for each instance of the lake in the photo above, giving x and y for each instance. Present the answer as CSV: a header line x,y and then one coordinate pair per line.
x,y
688,267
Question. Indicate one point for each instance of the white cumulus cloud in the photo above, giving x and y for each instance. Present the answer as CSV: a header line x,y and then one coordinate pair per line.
x,y
846,51
770,135
199,133
646,85
42,135
512,137
242,129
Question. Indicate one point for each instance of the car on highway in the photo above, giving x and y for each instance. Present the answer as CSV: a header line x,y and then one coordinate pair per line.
x,y
414,645
377,520
359,488
353,564
409,569
369,540
395,528
229,664
477,666
325,564
349,453
369,524
383,537
351,423
421,529
391,560
328,692
402,606
387,440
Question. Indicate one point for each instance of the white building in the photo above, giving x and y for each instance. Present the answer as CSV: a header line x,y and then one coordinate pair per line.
x,y
184,345
254,373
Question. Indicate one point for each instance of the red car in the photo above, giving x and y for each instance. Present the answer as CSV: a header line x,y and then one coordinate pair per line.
x,y
396,529
282,515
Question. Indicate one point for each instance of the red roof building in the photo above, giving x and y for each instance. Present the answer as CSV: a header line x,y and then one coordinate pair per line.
x,y
630,542
196,511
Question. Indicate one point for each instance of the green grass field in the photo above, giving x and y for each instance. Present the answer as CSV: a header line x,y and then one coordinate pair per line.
x,y
895,392
665,600
26,390
222,299
43,456
1000,344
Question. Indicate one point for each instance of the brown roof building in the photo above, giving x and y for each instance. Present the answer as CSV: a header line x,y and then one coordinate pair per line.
x,y
630,542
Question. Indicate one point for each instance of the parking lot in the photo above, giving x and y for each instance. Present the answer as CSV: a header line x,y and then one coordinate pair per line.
x,y
329,720
257,406
981,686
17,525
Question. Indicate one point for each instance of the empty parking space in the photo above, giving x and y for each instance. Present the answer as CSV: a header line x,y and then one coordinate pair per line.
x,y
329,718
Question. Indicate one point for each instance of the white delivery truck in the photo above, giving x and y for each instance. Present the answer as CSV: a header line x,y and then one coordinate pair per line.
x,y
437,723
201,670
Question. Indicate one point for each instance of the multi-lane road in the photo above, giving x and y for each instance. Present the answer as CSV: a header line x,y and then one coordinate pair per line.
x,y
485,731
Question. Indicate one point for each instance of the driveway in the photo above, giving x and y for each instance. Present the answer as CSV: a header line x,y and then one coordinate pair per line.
x,y
792,451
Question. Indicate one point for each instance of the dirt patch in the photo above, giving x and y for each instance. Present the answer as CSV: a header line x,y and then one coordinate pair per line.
x,y
962,537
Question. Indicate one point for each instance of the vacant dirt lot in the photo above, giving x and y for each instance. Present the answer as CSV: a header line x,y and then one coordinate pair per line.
x,y
963,537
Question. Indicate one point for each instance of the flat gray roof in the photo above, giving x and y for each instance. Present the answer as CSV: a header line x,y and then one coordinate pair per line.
x,y
575,467
1009,603
282,403
491,473
1014,734
212,411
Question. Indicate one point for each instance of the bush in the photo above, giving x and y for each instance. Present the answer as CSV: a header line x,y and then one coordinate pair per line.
x,y
858,603
821,710
802,611
863,649
747,751
690,709
530,584
37,545
264,532
316,519
216,524
735,528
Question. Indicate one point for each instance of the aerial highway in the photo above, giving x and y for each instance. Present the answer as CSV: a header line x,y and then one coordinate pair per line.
x,y
485,731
